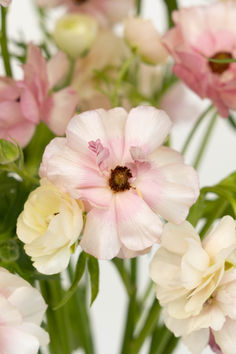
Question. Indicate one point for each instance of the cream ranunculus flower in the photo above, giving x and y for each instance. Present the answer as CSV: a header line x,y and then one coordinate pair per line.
x,y
196,283
49,225
142,35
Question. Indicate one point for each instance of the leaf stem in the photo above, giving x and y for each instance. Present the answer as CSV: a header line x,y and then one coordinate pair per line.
x,y
4,43
205,140
194,129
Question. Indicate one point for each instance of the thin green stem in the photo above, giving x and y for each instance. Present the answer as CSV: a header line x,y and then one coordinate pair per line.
x,y
139,7
171,6
4,43
194,129
163,338
124,274
205,140
148,327
132,311
217,213
78,308
122,73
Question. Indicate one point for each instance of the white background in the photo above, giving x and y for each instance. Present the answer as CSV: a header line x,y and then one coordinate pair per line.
x,y
108,311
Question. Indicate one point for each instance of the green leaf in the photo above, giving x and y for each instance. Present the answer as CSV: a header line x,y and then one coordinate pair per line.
x,y
93,268
34,151
9,152
232,121
79,271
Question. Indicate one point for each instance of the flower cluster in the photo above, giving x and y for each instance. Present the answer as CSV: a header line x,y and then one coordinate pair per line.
x,y
87,170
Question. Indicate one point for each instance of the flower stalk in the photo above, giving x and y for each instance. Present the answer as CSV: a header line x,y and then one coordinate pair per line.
x,y
4,42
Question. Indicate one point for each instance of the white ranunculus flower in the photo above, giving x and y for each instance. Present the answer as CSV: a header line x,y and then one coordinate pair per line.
x,y
49,225
142,35
196,284
22,308
75,34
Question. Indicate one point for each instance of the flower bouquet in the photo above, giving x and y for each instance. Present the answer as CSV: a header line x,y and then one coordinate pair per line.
x,y
88,174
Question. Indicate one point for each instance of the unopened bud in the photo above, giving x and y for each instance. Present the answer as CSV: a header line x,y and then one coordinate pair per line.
x,y
8,152
75,34
142,35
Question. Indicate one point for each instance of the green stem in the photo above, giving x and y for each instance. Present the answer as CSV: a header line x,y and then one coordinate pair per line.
x,y
79,307
124,274
139,7
217,213
122,73
57,321
148,327
194,129
3,40
132,311
205,140
171,6
163,338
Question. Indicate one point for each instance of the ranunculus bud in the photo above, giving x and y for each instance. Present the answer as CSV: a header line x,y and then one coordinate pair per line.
x,y
75,34
8,152
49,225
142,35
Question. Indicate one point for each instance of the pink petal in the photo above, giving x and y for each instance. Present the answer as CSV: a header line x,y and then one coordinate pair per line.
x,y
12,339
57,68
8,89
169,190
146,128
59,109
139,227
29,106
100,237
71,171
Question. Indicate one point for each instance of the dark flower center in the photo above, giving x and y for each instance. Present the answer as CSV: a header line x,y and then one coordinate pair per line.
x,y
80,1
119,179
219,68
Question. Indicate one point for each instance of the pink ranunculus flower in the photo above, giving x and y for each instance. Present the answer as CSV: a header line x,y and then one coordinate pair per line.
x,y
21,312
5,3
36,100
13,124
106,12
200,32
114,160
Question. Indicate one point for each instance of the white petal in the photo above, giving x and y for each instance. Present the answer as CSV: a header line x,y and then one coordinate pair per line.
x,y
223,237
9,314
226,338
197,340
36,331
30,303
54,263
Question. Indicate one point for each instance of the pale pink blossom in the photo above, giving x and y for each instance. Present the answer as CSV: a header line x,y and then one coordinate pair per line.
x,y
196,284
107,54
143,36
13,123
21,312
200,32
114,160
37,101
106,12
5,3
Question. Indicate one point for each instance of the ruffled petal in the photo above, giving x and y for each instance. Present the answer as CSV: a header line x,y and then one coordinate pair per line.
x,y
139,227
147,128
57,68
100,236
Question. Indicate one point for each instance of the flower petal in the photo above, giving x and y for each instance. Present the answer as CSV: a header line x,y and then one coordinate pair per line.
x,y
57,68
100,237
139,227
147,128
